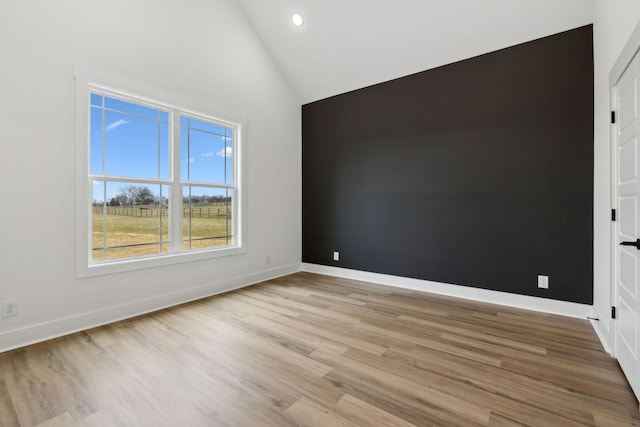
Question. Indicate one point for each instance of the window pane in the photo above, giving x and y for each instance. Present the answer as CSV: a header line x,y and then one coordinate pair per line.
x,y
207,217
96,100
126,145
229,157
95,136
185,154
164,150
132,146
210,153
206,152
129,220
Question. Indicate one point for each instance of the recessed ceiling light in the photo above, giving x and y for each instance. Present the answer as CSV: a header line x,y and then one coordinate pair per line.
x,y
297,20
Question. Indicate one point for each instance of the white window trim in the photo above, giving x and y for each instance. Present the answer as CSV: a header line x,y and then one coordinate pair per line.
x,y
86,77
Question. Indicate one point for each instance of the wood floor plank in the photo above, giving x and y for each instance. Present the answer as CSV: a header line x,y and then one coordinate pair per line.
x,y
307,413
8,415
313,350
404,406
435,343
280,326
463,408
446,326
498,395
365,414
484,383
59,421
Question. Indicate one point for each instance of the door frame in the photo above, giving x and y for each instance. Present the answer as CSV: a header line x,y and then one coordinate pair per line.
x,y
628,53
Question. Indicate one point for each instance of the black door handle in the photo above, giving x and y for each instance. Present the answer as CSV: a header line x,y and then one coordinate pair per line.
x,y
636,244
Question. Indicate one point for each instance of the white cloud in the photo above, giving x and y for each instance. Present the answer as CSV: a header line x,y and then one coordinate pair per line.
x,y
116,124
225,152
209,154
191,160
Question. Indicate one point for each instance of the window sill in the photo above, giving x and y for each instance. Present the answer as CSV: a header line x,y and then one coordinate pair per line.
x,y
133,264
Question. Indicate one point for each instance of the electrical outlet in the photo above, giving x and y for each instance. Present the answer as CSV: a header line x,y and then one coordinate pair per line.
x,y
543,282
10,308
268,259
336,256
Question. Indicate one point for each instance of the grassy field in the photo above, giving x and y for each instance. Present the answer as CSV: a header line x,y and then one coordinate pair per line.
x,y
123,231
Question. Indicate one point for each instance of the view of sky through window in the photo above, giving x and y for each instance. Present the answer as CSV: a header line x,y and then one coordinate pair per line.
x,y
133,141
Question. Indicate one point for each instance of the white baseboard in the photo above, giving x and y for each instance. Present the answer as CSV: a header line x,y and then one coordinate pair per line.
x,y
544,305
41,332
601,328
44,331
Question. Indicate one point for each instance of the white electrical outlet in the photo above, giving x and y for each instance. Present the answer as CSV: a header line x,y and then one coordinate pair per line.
x,y
543,282
268,259
10,308
336,256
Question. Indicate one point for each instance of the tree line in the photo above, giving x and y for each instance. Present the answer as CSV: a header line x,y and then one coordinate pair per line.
x,y
141,195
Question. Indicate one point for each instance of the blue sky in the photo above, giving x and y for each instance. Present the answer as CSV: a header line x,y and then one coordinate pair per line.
x,y
133,142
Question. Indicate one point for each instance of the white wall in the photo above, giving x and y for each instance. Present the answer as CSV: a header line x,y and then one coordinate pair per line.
x,y
614,21
203,50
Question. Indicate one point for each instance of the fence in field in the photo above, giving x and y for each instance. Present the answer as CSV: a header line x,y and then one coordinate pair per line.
x,y
154,212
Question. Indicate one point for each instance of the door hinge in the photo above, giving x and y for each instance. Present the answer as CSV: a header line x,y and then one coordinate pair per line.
x,y
613,312
613,117
613,214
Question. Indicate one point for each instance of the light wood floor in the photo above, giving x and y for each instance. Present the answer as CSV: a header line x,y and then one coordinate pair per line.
x,y
319,351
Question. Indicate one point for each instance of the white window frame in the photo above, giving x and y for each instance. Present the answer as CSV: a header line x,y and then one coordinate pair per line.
x,y
91,80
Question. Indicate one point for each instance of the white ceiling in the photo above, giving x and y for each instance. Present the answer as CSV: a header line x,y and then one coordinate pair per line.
x,y
350,44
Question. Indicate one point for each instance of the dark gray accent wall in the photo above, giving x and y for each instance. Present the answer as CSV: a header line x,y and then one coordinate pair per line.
x,y
477,173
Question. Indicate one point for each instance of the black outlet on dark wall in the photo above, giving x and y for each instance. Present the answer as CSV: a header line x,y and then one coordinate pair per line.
x,y
477,173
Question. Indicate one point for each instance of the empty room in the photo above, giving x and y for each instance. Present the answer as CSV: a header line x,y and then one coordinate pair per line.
x,y
320,213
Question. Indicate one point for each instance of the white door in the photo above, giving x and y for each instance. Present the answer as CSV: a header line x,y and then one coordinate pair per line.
x,y
627,292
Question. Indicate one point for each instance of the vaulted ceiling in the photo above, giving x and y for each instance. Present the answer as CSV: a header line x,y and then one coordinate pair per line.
x,y
345,45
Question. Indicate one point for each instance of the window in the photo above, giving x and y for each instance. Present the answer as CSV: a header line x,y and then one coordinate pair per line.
x,y
162,183
130,175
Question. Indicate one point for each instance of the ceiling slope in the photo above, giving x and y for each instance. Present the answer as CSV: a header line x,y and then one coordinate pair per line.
x,y
349,44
